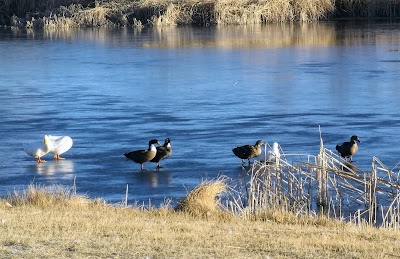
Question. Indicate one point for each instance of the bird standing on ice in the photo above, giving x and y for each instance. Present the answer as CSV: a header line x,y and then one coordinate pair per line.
x,y
60,145
348,149
38,149
248,151
163,152
143,155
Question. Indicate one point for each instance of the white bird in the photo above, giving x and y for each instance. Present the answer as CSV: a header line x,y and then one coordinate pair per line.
x,y
38,149
60,145
274,155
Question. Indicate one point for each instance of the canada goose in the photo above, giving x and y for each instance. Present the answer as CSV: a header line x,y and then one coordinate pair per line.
x,y
248,151
60,145
163,152
348,149
144,155
38,149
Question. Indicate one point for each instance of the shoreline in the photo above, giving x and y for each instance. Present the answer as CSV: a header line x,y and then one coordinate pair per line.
x,y
60,225
159,13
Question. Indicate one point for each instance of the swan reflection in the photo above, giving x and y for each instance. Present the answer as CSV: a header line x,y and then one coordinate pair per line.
x,y
55,167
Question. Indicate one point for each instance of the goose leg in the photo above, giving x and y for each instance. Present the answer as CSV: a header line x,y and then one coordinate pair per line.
x,y
40,160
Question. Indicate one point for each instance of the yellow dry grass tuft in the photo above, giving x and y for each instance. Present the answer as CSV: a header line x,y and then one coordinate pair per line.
x,y
41,196
204,199
230,12
77,16
93,17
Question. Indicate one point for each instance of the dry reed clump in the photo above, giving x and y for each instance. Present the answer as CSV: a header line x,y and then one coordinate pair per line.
x,y
77,16
308,11
42,196
172,15
230,12
204,199
92,17
264,11
319,190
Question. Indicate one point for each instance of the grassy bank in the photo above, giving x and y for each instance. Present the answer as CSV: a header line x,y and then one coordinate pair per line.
x,y
54,223
83,13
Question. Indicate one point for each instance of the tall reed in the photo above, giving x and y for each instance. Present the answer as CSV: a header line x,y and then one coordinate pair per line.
x,y
324,185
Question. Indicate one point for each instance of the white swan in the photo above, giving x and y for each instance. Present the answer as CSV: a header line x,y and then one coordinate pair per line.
x,y
60,145
38,149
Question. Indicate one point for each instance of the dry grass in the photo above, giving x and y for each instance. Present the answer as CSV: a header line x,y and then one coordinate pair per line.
x,y
204,199
264,11
42,196
82,13
303,190
59,227
169,14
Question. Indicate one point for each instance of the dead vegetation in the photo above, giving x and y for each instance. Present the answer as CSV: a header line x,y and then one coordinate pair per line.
x,y
204,199
315,188
45,196
82,13
53,222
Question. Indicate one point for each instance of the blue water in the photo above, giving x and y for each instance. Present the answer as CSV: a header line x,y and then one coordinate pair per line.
x,y
207,89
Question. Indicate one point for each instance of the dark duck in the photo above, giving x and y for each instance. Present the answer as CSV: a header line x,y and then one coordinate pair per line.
x,y
144,155
348,149
163,152
248,151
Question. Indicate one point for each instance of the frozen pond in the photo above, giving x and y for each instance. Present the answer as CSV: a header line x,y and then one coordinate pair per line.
x,y
207,89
